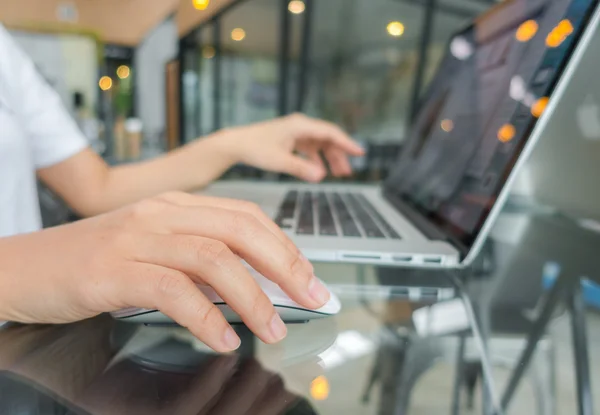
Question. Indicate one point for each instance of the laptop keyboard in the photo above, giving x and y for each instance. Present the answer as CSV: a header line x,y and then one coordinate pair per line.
x,y
306,220
333,214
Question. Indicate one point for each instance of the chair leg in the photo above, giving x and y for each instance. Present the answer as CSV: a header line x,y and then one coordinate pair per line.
x,y
473,372
580,350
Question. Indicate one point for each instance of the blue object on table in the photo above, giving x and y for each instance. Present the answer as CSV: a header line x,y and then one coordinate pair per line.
x,y
591,290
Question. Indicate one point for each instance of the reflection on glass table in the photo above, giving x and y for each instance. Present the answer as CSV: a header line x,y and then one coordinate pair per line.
x,y
102,367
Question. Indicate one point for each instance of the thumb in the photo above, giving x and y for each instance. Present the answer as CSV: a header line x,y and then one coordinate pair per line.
x,y
303,169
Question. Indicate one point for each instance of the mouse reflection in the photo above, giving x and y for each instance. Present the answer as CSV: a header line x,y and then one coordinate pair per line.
x,y
77,369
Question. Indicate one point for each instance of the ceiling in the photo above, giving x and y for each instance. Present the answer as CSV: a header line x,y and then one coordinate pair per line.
x,y
124,22
340,26
188,18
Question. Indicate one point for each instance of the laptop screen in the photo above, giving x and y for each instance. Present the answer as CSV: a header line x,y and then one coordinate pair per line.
x,y
479,109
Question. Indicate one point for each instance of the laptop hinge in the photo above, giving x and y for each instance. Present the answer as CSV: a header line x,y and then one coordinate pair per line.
x,y
429,229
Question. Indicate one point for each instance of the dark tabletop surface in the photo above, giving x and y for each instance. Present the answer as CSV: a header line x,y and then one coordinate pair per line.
x,y
366,360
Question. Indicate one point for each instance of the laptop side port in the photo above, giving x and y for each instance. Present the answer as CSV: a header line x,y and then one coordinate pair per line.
x,y
403,258
364,257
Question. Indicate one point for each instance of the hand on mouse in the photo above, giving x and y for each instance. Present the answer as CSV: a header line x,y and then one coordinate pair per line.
x,y
150,255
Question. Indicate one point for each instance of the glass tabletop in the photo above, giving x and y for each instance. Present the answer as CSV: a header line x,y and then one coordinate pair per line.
x,y
363,361
402,344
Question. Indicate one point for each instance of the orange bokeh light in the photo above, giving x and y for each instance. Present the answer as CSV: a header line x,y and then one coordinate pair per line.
x,y
506,133
566,27
559,33
527,31
105,83
319,388
538,108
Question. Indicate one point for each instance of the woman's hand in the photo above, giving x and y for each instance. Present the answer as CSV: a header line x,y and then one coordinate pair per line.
x,y
151,255
294,145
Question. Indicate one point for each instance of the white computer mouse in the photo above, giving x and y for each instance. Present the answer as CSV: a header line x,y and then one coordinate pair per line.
x,y
289,310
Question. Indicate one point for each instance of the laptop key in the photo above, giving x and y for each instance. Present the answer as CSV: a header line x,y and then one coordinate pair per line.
x,y
306,224
326,222
369,225
349,227
287,210
386,226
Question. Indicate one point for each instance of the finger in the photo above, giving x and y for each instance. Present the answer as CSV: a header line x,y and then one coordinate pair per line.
x,y
327,132
338,162
307,170
314,155
312,151
252,241
174,294
186,199
213,262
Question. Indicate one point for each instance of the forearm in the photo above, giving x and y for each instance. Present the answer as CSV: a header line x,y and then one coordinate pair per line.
x,y
191,167
91,187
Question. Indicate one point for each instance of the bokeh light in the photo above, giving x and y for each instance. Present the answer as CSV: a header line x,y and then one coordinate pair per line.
x,y
527,31
319,388
123,72
296,6
395,29
105,83
461,48
238,34
558,35
200,4
566,27
506,133
447,125
539,106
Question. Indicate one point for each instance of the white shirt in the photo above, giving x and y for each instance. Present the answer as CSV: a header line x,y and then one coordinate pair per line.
x,y
36,131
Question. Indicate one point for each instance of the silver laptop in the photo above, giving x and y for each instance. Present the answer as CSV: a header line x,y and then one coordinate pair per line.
x,y
502,80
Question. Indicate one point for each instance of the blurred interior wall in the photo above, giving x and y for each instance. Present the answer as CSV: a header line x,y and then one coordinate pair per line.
x,y
68,62
150,59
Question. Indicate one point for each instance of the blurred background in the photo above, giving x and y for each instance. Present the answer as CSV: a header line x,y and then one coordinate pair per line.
x,y
145,76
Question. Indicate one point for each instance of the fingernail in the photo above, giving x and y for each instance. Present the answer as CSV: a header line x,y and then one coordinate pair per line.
x,y
231,340
318,291
278,329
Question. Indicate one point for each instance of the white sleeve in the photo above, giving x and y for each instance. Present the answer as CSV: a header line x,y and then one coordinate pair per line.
x,y
53,134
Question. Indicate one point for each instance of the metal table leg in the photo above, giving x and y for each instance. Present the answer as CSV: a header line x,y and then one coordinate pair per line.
x,y
459,374
537,331
580,350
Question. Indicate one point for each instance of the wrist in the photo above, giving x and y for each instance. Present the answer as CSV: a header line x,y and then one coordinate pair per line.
x,y
223,145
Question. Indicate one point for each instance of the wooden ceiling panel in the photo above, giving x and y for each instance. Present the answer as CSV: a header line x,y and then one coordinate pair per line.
x,y
124,22
189,18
